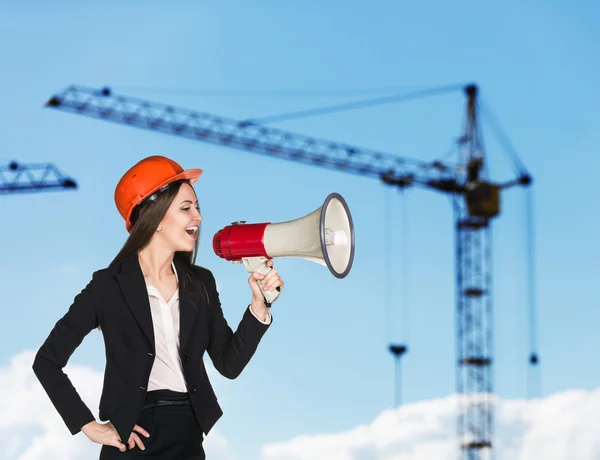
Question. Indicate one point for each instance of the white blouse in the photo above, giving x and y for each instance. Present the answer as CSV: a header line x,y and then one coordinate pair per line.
x,y
167,371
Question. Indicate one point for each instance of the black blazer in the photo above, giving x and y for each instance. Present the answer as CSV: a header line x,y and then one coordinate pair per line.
x,y
116,299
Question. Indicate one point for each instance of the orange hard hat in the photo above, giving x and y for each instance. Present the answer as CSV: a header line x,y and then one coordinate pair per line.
x,y
144,179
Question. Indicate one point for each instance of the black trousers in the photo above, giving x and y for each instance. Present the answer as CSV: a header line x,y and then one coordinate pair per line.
x,y
174,431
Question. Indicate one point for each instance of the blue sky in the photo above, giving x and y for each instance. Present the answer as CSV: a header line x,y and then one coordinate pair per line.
x,y
323,365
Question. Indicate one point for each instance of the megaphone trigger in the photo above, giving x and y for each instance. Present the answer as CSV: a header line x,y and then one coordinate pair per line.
x,y
259,264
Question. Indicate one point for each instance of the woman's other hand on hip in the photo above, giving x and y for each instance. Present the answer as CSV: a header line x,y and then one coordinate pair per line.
x,y
107,435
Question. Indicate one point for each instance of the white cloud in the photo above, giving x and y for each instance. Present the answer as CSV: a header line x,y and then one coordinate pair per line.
x,y
563,426
31,429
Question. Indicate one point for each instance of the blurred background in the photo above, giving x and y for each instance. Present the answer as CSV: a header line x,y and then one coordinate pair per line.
x,y
376,77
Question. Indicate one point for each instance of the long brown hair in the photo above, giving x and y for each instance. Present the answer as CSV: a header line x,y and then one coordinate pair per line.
x,y
147,218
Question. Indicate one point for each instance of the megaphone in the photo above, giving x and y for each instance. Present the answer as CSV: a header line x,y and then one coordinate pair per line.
x,y
325,236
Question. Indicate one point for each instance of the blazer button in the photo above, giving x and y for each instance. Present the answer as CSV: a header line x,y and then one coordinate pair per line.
x,y
185,358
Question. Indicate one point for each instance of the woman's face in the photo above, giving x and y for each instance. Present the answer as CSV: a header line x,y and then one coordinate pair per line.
x,y
181,223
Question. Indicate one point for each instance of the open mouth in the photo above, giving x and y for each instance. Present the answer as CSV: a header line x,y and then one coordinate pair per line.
x,y
192,231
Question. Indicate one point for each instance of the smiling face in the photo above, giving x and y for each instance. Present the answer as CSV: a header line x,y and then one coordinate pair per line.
x,y
181,224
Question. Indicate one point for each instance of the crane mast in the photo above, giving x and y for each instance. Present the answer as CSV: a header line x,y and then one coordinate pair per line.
x,y
473,211
476,201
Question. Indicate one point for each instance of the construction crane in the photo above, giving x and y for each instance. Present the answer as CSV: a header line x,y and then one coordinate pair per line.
x,y
20,178
476,201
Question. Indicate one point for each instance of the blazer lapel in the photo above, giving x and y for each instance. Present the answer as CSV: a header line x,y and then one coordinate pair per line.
x,y
188,304
133,286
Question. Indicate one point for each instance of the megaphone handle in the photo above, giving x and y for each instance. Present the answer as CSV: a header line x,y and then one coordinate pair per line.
x,y
259,264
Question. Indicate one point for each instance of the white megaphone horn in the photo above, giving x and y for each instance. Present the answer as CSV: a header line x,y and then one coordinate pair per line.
x,y
325,236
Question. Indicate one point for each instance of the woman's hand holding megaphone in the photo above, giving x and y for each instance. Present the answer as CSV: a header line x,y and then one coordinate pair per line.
x,y
261,284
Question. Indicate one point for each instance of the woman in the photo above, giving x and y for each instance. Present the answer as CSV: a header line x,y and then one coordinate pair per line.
x,y
158,313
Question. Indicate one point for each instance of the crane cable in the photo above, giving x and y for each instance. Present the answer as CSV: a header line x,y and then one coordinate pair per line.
x,y
204,92
533,378
533,381
387,250
417,94
355,105
502,138
404,305
396,344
